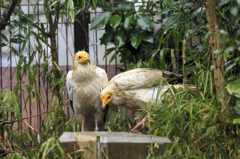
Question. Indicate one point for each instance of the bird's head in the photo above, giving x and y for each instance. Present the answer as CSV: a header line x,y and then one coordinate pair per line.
x,y
106,99
82,57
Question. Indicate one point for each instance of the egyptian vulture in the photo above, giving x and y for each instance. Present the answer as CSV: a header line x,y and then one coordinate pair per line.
x,y
135,88
84,82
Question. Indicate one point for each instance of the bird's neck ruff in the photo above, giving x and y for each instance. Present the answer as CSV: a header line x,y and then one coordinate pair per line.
x,y
83,72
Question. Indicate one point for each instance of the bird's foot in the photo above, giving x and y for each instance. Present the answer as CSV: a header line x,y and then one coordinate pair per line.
x,y
96,129
142,122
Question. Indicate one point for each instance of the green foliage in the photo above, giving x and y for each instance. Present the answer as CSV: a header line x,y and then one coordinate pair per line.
x,y
128,30
192,119
234,88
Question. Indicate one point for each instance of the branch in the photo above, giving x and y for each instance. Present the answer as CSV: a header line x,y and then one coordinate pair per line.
x,y
4,23
56,17
49,34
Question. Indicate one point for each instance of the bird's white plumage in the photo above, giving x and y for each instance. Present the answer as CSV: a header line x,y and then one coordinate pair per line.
x,y
135,88
84,82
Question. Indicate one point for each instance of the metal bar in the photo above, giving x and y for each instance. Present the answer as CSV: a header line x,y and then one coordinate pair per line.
x,y
47,79
10,44
39,84
67,57
106,60
1,113
30,103
20,92
96,43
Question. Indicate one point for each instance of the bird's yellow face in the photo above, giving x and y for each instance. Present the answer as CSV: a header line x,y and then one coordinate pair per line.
x,y
83,58
105,100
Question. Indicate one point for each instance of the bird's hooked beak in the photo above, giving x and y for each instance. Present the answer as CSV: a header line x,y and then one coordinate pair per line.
x,y
88,61
104,103
103,108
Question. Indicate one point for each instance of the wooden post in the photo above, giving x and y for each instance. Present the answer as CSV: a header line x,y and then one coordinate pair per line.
x,y
117,145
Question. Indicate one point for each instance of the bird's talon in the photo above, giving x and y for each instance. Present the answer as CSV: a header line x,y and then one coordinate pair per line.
x,y
96,128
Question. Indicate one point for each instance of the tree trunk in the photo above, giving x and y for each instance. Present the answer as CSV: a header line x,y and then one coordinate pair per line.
x,y
54,54
217,62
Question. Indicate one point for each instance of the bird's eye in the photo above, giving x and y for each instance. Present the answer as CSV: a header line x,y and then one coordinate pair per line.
x,y
108,97
79,56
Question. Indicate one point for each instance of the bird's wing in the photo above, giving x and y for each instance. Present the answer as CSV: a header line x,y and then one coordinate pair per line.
x,y
69,88
141,78
69,85
102,76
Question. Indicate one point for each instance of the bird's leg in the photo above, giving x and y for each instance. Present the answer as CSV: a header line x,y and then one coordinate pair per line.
x,y
96,125
82,126
80,119
142,122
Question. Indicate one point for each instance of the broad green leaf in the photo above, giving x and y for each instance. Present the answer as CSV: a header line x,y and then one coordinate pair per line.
x,y
120,38
115,20
236,121
100,20
234,10
136,40
107,6
128,21
237,107
126,6
144,22
234,88
107,37
147,36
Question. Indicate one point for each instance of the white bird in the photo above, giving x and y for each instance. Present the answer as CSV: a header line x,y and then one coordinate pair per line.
x,y
84,82
135,88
